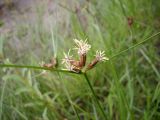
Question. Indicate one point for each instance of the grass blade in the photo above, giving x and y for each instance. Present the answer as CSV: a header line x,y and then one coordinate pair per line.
x,y
95,96
145,40
36,67
68,96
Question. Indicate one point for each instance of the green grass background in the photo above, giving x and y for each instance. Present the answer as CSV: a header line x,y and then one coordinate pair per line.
x,y
127,86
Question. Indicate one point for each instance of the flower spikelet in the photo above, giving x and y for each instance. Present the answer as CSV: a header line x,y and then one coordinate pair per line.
x,y
82,46
100,56
66,61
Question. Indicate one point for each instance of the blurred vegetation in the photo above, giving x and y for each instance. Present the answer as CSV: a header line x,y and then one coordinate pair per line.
x,y
127,86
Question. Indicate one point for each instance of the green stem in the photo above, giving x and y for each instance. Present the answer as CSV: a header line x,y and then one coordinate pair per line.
x,y
145,40
95,96
121,93
123,10
68,96
36,67
2,98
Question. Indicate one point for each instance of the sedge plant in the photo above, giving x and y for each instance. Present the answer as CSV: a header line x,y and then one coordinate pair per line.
x,y
79,67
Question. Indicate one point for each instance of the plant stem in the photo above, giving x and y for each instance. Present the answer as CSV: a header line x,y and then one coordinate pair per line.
x,y
68,96
95,96
121,94
2,98
145,40
123,10
36,67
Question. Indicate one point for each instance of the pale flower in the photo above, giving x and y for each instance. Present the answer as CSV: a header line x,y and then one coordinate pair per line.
x,y
41,63
44,72
66,61
100,56
82,46
67,57
69,66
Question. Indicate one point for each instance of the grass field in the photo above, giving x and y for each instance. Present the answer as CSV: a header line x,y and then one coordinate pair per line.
x,y
126,87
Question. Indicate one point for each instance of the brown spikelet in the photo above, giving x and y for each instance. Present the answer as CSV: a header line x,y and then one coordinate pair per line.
x,y
82,60
75,63
77,70
53,61
48,65
52,64
130,21
92,64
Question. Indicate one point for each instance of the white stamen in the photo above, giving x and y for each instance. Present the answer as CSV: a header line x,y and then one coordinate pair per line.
x,y
82,46
41,63
100,55
66,61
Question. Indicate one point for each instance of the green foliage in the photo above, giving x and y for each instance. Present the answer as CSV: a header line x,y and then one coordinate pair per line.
x,y
125,87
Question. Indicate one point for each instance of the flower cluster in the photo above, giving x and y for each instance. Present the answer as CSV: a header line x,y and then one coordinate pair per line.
x,y
82,48
67,61
51,64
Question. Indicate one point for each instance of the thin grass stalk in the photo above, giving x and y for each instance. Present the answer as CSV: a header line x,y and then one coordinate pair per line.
x,y
1,99
121,91
35,67
145,40
123,10
155,96
95,96
133,67
68,96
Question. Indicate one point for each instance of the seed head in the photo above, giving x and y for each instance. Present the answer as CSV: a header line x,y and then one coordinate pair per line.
x,y
41,63
69,63
52,63
130,21
82,46
100,56
67,57
66,61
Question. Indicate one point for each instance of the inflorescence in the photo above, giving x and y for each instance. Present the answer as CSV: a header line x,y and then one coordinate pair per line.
x,y
82,48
